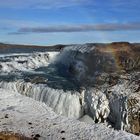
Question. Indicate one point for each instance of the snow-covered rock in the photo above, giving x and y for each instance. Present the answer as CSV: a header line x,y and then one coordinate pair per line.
x,y
98,105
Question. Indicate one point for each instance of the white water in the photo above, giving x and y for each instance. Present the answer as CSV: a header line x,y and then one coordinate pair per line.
x,y
84,62
26,62
63,103
66,103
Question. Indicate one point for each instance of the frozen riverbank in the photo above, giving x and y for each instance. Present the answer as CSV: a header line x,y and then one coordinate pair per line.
x,y
26,116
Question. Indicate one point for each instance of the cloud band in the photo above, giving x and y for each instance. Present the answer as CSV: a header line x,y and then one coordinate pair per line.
x,y
80,28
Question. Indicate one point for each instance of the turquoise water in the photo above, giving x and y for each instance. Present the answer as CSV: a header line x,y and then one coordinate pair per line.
x,y
55,77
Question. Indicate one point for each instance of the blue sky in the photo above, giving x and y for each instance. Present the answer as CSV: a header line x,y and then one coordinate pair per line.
x,y
47,22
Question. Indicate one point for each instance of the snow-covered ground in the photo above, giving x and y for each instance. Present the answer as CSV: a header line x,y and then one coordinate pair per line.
x,y
26,116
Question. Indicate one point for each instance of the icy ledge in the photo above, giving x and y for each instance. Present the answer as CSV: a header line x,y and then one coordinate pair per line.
x,y
26,116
